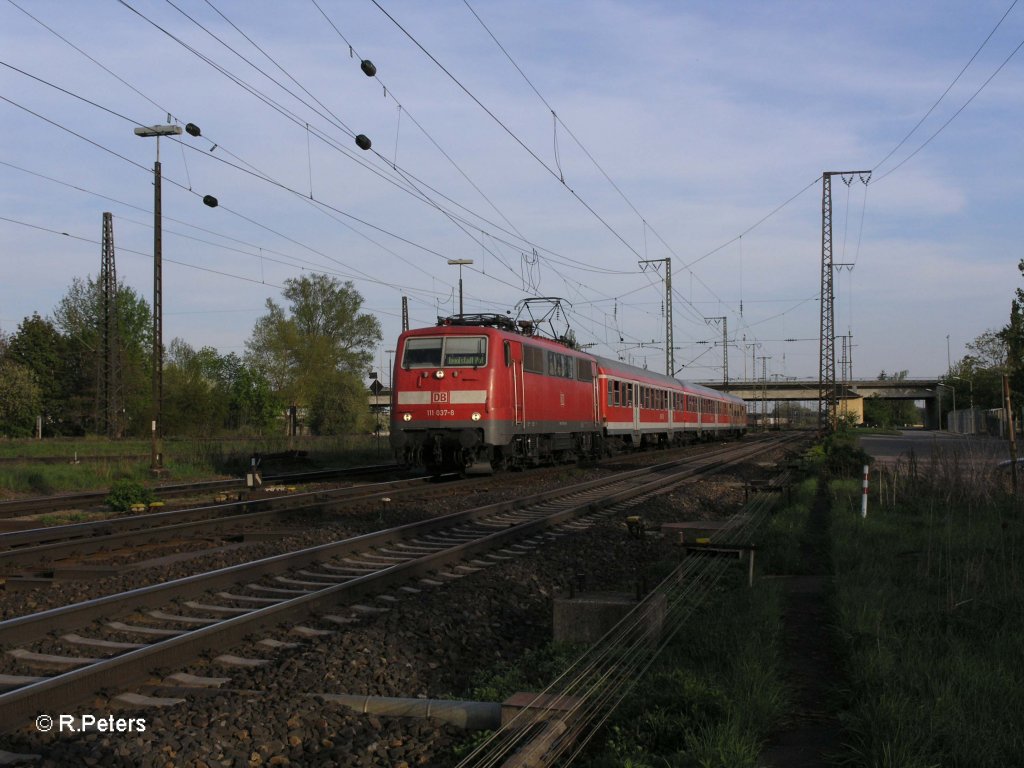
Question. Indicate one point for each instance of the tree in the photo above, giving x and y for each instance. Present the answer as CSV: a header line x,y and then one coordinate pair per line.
x,y
40,348
195,398
20,399
79,317
314,354
253,406
1013,335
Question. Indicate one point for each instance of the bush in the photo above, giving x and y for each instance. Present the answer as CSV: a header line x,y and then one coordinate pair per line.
x,y
39,483
124,493
843,457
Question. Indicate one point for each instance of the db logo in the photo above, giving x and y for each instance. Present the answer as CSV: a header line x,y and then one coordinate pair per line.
x,y
439,397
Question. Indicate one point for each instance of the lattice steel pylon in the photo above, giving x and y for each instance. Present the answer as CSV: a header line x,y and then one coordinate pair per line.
x,y
725,344
110,337
827,395
670,353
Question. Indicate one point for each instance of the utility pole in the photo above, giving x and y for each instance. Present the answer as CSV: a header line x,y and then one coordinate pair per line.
x,y
764,390
846,368
460,263
670,359
156,466
827,396
110,380
725,344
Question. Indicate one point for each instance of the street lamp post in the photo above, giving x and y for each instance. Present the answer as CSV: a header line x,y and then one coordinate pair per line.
x,y
157,460
970,383
953,389
460,263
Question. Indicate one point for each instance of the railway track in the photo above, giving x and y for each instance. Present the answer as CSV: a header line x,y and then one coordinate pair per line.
x,y
46,547
125,637
92,499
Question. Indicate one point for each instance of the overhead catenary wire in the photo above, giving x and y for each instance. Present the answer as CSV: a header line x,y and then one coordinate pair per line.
x,y
509,131
955,115
512,258
405,175
574,265
955,80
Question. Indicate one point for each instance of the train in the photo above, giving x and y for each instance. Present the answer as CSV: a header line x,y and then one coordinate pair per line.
x,y
479,393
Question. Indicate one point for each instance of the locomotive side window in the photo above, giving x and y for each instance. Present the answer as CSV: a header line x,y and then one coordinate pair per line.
x,y
465,351
583,370
533,359
560,365
422,353
554,364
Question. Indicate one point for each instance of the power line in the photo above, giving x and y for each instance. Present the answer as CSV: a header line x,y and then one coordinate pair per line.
x,y
945,92
955,114
508,130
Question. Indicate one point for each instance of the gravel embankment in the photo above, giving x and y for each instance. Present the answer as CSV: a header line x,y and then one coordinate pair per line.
x,y
434,644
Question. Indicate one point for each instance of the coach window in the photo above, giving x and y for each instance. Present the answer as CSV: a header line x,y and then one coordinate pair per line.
x,y
422,353
465,351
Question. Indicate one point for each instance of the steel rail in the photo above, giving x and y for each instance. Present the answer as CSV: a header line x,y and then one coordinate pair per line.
x,y
52,542
128,668
18,507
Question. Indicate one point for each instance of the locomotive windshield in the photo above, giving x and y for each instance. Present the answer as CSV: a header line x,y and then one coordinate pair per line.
x,y
446,351
464,351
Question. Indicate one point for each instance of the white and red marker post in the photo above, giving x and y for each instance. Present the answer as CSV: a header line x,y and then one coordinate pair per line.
x,y
864,496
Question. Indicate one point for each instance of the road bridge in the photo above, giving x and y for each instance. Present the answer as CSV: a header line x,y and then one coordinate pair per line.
x,y
851,393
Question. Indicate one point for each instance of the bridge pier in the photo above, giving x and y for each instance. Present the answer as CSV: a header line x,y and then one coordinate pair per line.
x,y
852,406
933,409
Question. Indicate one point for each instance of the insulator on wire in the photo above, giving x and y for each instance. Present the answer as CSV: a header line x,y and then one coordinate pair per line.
x,y
192,129
210,200
363,142
368,68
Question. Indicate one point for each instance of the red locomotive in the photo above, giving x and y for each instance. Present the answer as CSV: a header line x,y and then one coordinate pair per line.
x,y
481,392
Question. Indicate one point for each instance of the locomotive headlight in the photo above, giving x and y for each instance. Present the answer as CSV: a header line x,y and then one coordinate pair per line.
x,y
406,417
439,374
475,416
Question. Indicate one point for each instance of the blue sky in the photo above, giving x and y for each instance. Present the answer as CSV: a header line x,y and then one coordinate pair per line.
x,y
706,116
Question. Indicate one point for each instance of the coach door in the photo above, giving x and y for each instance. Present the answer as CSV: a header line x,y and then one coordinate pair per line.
x,y
514,361
634,401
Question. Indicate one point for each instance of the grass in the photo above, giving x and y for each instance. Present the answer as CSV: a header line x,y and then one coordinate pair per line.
x,y
709,699
779,548
929,597
714,694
